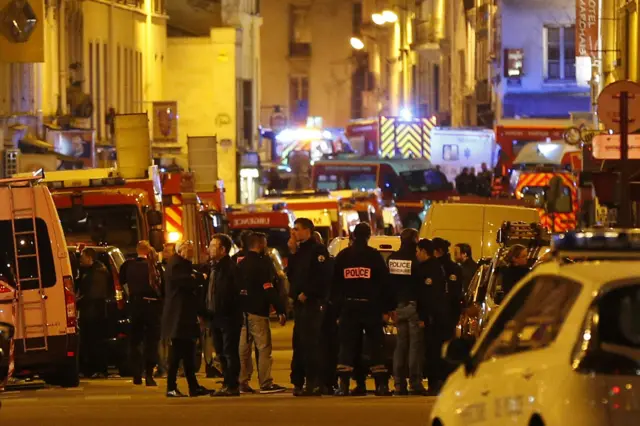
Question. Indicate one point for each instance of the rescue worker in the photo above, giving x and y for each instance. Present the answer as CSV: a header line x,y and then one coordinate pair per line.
x,y
222,307
409,351
361,295
309,275
257,295
92,304
143,283
434,313
180,322
462,255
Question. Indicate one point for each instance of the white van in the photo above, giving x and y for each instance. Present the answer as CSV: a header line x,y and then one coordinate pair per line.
x,y
45,322
473,224
385,244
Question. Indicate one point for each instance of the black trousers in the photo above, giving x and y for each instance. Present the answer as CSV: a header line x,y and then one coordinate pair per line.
x,y
145,331
306,363
330,347
436,368
353,322
93,347
182,350
226,341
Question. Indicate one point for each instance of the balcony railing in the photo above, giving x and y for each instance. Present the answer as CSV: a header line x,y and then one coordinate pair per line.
x,y
299,50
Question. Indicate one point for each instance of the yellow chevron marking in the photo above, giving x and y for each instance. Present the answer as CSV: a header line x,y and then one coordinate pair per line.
x,y
174,215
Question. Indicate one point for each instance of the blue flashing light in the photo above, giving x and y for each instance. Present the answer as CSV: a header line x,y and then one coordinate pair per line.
x,y
405,114
601,240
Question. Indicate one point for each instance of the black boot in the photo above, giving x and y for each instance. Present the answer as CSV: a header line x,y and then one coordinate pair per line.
x,y
343,387
382,386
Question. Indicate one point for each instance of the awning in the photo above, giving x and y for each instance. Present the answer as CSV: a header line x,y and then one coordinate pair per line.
x,y
545,105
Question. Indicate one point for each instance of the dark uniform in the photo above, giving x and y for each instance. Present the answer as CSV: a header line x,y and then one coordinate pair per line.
x,y
309,273
454,294
143,281
436,313
361,294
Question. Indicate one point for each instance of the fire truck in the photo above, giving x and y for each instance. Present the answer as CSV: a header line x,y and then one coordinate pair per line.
x,y
276,221
540,167
410,183
372,210
320,207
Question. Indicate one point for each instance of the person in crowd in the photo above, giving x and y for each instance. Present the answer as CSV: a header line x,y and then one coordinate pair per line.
x,y
94,290
462,255
257,295
453,273
441,174
485,179
243,243
318,237
463,182
222,307
410,323
515,267
473,181
168,250
180,322
434,314
142,280
309,275
362,296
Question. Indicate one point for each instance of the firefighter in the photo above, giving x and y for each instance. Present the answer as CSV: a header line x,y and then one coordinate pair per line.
x,y
434,314
361,296
309,274
409,351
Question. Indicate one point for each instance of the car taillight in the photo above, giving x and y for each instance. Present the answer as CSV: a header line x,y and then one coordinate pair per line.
x,y
70,302
118,288
4,287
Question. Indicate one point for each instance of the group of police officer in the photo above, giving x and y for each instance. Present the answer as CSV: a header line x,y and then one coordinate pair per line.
x,y
341,305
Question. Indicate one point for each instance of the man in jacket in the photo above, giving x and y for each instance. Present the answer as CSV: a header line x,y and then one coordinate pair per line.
x,y
257,295
308,272
409,352
453,273
223,310
243,242
462,254
180,322
143,282
361,295
92,303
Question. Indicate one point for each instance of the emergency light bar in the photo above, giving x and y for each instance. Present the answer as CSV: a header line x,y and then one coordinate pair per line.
x,y
84,183
298,194
511,233
255,208
598,244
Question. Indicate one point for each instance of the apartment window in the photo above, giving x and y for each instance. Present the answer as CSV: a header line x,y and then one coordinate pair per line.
x,y
300,31
107,85
299,98
560,54
247,111
130,77
118,101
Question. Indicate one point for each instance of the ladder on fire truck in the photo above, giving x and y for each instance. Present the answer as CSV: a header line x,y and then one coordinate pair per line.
x,y
25,247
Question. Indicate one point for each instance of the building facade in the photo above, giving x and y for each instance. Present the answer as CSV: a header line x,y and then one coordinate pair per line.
x,y
308,63
110,53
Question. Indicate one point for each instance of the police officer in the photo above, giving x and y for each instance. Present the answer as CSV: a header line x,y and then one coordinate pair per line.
x,y
309,275
361,295
433,312
409,351
144,287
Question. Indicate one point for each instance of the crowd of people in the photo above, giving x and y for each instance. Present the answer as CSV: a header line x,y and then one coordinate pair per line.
x,y
340,306
470,183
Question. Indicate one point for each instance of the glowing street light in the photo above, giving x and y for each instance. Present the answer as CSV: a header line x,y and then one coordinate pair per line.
x,y
390,16
356,43
378,19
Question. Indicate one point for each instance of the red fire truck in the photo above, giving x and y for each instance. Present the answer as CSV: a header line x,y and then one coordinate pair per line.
x,y
275,221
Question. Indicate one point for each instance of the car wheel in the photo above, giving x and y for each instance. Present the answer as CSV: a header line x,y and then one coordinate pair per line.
x,y
68,376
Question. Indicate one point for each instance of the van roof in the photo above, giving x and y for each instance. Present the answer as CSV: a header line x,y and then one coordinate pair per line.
x,y
399,165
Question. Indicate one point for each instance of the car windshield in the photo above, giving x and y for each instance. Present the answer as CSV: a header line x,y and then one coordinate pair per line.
x,y
538,195
424,181
114,225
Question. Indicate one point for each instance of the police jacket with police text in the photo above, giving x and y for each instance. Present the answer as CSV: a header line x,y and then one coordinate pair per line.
x,y
402,270
255,282
361,276
433,306
309,271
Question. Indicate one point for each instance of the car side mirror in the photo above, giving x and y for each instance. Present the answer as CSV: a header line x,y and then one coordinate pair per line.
x,y
156,239
154,217
458,351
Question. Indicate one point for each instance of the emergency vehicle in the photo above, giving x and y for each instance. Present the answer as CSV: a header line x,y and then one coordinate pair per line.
x,y
407,182
318,206
534,170
371,209
276,221
562,347
37,294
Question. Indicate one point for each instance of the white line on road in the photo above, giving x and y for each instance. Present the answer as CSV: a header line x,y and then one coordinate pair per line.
x,y
106,397
21,400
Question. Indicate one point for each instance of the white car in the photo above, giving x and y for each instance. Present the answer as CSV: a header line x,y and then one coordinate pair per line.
x,y
563,348
383,243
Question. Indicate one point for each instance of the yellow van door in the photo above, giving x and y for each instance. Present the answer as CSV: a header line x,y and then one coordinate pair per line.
x,y
456,223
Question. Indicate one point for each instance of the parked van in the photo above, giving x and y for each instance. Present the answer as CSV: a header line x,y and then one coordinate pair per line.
x,y
473,223
37,281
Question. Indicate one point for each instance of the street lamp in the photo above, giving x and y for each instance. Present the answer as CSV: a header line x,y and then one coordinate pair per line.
x,y
378,19
356,43
390,16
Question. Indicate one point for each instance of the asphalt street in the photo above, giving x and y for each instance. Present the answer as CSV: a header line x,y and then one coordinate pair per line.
x,y
116,401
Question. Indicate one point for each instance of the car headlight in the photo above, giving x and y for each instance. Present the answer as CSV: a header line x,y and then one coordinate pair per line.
x,y
6,331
